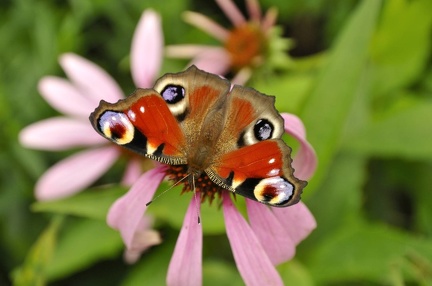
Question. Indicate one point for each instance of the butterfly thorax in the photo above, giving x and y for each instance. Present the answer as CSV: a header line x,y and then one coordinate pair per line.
x,y
202,146
198,161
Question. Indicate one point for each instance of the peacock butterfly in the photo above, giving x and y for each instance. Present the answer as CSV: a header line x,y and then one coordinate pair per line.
x,y
196,119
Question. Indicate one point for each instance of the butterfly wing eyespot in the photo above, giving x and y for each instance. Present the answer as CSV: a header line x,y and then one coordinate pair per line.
x,y
116,127
174,96
275,191
173,93
263,129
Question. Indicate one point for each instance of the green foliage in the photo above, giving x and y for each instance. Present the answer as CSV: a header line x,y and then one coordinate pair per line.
x,y
364,95
401,45
94,240
333,95
91,204
397,134
153,269
34,268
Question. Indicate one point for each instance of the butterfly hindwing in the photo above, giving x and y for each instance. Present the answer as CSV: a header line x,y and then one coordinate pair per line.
x,y
262,172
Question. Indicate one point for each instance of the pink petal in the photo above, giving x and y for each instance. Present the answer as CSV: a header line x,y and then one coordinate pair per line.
x,y
126,213
91,79
207,25
269,19
185,267
297,220
214,60
147,49
305,161
144,238
186,51
75,173
252,260
242,76
65,97
133,172
59,133
232,12
294,126
254,10
274,237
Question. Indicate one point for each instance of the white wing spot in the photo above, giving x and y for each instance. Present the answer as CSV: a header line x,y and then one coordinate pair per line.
x,y
273,172
132,115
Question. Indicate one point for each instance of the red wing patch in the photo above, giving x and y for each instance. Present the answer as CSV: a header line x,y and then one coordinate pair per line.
x,y
261,172
240,114
261,160
152,117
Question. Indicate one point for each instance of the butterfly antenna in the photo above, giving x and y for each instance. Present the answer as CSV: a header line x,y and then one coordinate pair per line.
x,y
175,184
196,199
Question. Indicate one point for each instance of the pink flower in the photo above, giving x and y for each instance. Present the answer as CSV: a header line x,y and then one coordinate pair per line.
x,y
268,239
144,237
76,98
246,46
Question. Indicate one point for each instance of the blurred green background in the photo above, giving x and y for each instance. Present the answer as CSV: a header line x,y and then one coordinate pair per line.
x,y
361,82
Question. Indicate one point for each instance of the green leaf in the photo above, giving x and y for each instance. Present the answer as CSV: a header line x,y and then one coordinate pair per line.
x,y
404,133
33,270
294,273
326,109
366,252
81,244
93,203
423,212
290,90
217,273
401,46
338,200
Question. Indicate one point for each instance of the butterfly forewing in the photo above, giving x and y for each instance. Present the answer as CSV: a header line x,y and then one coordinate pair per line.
x,y
144,124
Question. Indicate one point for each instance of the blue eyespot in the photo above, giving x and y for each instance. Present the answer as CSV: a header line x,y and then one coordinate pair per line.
x,y
263,129
116,126
173,93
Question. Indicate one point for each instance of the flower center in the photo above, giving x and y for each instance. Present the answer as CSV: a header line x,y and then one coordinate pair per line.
x,y
245,44
203,185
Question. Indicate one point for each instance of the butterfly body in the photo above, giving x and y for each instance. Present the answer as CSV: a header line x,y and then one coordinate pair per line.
x,y
196,119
